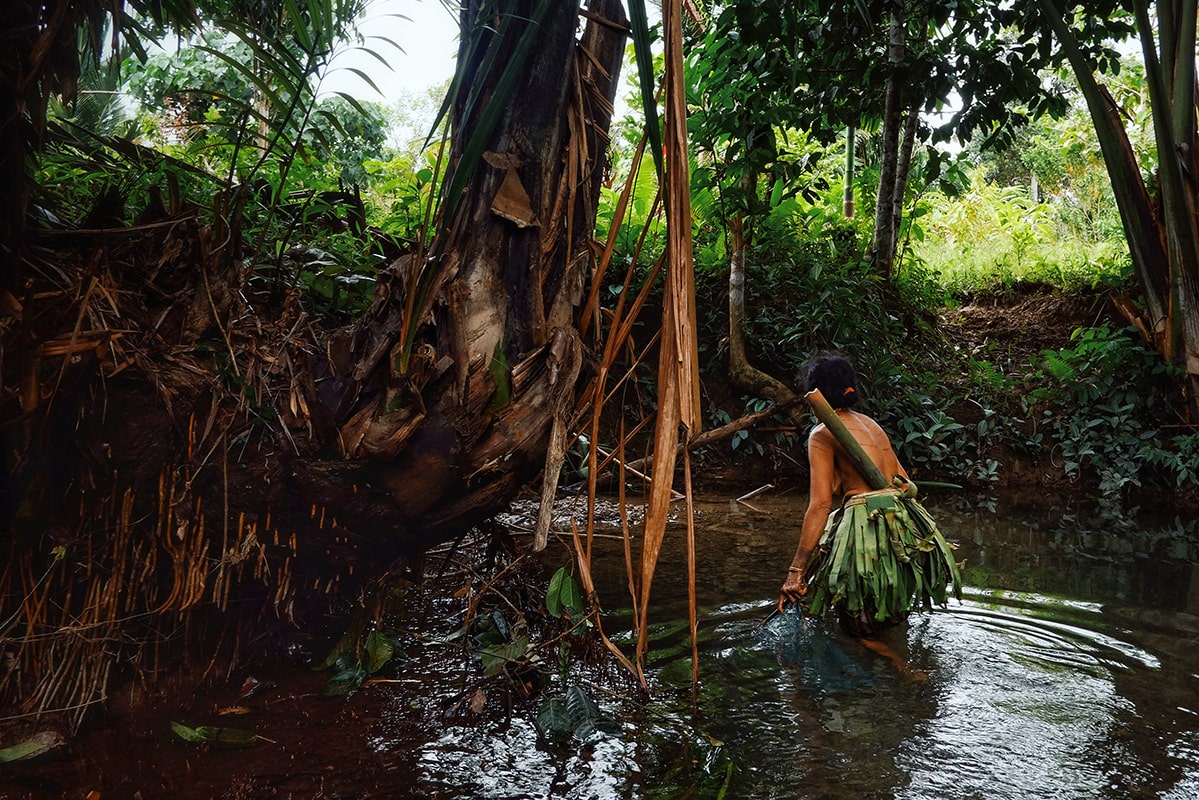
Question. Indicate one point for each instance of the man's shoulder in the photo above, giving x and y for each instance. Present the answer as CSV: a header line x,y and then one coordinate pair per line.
x,y
820,435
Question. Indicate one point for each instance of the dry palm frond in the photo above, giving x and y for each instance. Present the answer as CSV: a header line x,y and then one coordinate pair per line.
x,y
677,405
136,555
678,385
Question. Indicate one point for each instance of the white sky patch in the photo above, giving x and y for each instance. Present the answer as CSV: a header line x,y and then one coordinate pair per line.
x,y
427,33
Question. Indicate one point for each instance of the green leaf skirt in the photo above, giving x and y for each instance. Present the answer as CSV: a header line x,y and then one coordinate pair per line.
x,y
881,556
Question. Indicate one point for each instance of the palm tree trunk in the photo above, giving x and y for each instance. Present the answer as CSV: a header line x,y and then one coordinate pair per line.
x,y
1171,82
470,353
1162,232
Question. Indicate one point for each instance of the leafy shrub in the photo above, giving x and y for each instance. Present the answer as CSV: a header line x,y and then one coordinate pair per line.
x,y
1102,408
810,292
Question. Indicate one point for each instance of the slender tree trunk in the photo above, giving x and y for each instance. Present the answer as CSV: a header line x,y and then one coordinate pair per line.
x,y
883,242
851,135
902,168
741,372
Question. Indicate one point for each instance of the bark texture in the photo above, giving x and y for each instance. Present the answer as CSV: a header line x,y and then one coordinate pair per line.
x,y
883,241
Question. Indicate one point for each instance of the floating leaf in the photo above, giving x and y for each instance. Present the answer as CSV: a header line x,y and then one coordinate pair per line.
x,y
252,686
216,735
38,744
496,659
232,711
187,734
348,679
378,649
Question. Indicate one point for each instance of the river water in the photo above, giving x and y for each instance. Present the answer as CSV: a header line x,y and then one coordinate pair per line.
x,y
1069,670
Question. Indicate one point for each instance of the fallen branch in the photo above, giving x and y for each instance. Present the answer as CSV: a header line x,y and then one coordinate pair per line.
x,y
706,438
629,468
754,493
725,431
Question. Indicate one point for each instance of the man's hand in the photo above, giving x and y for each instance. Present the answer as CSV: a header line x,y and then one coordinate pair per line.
x,y
795,587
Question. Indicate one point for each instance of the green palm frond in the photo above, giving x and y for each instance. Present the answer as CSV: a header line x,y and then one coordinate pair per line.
x,y
643,42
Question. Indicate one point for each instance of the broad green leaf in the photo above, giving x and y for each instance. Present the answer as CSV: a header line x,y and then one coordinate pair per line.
x,y
186,733
347,680
379,650
563,595
344,645
585,716
216,735
496,659
554,719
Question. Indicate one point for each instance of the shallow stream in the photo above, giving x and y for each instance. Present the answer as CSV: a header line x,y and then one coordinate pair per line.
x,y
1070,670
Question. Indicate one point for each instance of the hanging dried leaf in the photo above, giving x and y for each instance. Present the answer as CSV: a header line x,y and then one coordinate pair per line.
x,y
678,387
512,201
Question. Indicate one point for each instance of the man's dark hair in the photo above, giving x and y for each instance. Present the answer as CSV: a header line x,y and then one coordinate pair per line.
x,y
834,376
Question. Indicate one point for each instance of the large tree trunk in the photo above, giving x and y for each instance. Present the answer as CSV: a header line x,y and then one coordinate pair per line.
x,y
470,353
191,449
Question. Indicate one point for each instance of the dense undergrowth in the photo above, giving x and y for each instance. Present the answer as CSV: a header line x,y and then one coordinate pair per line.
x,y
1100,412
323,205
1087,402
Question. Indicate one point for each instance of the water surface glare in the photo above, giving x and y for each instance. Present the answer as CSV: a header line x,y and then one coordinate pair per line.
x,y
1068,671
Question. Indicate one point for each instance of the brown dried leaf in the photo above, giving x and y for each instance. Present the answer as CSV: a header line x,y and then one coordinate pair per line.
x,y
512,202
232,711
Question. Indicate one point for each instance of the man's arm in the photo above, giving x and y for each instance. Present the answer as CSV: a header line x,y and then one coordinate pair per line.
x,y
820,502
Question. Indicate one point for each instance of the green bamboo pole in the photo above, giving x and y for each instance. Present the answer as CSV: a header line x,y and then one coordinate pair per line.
x,y
825,413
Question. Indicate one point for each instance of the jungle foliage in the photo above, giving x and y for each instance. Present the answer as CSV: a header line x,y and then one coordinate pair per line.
x,y
254,217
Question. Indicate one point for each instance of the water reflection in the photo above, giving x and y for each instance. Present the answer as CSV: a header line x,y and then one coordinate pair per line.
x,y
1067,672
1021,704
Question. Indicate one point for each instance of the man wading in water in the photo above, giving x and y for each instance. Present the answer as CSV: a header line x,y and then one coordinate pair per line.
x,y
879,555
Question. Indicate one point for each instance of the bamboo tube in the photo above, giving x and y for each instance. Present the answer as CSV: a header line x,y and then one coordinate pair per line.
x,y
825,413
